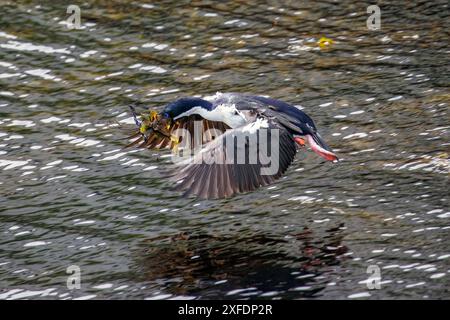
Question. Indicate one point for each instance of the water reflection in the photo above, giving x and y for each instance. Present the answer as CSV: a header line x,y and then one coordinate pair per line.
x,y
250,266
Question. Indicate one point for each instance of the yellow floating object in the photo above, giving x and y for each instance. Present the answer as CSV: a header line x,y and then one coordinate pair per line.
x,y
324,42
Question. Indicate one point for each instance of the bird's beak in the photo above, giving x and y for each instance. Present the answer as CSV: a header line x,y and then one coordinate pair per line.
x,y
319,146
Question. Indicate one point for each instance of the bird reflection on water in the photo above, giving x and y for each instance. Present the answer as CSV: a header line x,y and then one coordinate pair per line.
x,y
190,263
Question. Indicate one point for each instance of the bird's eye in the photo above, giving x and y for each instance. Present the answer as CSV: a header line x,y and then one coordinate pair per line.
x,y
236,113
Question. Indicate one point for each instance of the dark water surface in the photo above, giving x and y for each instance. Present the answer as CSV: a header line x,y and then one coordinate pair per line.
x,y
70,196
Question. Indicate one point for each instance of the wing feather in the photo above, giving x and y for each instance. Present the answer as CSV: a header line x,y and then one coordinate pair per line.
x,y
157,140
220,179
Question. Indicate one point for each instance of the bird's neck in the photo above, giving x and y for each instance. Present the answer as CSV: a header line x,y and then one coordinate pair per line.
x,y
183,105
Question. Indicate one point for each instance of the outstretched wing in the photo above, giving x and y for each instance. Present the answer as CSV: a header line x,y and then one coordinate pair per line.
x,y
218,171
166,132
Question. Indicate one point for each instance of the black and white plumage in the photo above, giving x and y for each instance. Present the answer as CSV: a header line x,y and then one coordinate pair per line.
x,y
262,131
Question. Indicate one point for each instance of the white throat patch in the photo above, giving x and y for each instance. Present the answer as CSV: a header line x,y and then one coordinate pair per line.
x,y
226,113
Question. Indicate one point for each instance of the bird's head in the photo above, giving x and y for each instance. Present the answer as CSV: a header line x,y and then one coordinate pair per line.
x,y
152,121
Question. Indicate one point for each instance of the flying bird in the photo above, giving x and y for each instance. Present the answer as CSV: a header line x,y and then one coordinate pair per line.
x,y
231,143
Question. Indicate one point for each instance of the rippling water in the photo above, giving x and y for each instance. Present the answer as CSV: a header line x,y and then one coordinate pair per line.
x,y
69,195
